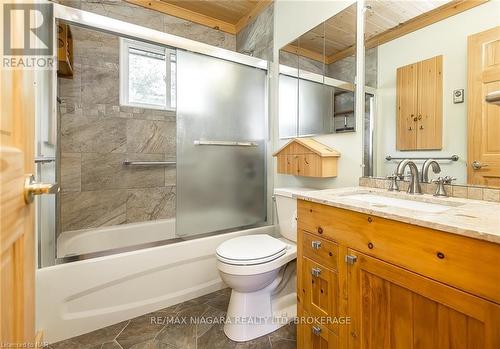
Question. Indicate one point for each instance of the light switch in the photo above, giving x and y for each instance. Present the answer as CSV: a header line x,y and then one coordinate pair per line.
x,y
458,96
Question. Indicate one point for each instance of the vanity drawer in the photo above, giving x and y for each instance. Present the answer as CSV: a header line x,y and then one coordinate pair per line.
x,y
459,261
330,222
320,250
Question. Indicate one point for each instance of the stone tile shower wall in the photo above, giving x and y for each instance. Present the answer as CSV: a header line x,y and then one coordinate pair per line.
x,y
97,135
124,11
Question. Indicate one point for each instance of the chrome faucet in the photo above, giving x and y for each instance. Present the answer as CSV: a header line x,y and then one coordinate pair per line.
x,y
414,187
425,169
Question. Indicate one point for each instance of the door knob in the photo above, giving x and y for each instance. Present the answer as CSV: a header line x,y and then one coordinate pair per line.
x,y
493,97
32,188
476,165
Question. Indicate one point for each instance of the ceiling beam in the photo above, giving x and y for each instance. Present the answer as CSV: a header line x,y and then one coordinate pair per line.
x,y
447,10
300,51
180,12
254,12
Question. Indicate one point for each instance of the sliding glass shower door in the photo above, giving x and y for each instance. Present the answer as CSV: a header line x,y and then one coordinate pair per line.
x,y
221,117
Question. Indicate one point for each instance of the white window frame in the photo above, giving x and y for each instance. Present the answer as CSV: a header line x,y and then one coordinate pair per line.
x,y
125,44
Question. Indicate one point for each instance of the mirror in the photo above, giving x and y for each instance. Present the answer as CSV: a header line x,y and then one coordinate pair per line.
x,y
417,60
316,84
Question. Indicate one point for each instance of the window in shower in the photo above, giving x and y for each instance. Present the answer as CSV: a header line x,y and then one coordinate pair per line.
x,y
147,75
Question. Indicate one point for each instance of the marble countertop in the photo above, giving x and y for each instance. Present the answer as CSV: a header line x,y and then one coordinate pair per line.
x,y
472,218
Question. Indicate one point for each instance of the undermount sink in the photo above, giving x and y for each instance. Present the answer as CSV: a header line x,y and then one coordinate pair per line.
x,y
384,201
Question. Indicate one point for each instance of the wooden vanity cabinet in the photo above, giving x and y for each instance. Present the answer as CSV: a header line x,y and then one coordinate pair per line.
x,y
401,286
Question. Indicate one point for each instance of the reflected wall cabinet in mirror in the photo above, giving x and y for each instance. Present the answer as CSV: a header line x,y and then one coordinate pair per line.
x,y
419,106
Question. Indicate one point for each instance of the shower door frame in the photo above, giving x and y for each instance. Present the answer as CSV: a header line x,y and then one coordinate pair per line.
x,y
127,30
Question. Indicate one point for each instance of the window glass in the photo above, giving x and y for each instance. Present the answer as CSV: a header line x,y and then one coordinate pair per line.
x,y
147,75
147,78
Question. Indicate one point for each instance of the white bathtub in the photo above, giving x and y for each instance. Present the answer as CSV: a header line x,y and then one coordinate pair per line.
x,y
79,242
79,297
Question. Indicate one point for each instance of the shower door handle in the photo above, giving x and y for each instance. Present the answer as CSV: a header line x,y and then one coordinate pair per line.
x,y
32,188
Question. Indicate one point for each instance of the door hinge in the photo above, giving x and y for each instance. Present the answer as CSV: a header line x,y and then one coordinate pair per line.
x,y
351,259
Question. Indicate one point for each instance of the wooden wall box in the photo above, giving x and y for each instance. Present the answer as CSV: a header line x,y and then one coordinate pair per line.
x,y
419,107
307,157
64,51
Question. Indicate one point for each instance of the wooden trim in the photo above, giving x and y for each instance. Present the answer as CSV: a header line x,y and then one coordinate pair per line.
x,y
39,340
257,10
448,10
303,52
179,12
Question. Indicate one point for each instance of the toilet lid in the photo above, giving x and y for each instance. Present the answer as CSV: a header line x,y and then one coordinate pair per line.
x,y
251,249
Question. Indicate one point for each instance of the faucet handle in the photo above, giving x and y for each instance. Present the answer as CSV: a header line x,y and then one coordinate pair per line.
x,y
448,179
440,189
394,182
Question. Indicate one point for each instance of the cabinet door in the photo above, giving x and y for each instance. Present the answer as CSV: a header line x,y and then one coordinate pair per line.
x,y
406,107
430,104
309,165
292,165
391,307
320,292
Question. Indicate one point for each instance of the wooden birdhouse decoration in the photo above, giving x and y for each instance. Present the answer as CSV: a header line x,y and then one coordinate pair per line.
x,y
307,157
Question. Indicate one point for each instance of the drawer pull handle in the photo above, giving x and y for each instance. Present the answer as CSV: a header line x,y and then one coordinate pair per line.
x,y
316,245
316,330
320,230
440,255
316,272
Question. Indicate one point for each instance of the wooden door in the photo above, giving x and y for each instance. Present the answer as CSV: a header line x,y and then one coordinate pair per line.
x,y
392,307
430,104
483,124
407,94
17,268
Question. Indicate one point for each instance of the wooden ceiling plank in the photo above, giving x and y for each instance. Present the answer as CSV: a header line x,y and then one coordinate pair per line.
x,y
303,52
448,10
180,12
254,12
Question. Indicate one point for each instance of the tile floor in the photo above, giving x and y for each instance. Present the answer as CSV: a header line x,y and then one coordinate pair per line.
x,y
143,333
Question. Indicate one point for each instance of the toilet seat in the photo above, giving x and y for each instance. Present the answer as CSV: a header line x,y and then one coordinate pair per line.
x,y
251,250
254,269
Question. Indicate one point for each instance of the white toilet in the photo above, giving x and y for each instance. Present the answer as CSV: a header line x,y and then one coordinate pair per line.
x,y
260,269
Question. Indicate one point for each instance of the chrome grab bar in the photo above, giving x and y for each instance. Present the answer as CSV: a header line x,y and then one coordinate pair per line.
x,y
493,97
451,158
227,143
44,159
149,163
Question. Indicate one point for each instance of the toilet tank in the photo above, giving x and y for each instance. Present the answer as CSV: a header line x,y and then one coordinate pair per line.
x,y
286,206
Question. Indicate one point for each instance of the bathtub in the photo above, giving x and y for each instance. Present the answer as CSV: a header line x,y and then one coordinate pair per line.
x,y
86,241
79,297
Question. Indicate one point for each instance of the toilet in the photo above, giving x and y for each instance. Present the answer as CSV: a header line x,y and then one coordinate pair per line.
x,y
261,271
